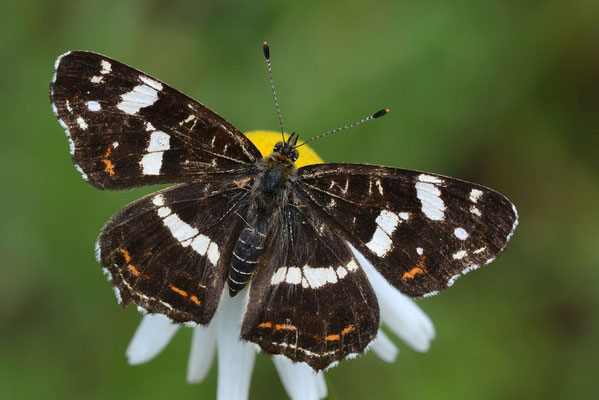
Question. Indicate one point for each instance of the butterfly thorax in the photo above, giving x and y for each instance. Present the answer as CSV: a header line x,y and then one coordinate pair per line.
x,y
270,190
274,177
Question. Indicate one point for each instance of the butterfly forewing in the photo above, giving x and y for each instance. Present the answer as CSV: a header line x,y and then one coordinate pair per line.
x,y
420,231
309,299
127,129
169,252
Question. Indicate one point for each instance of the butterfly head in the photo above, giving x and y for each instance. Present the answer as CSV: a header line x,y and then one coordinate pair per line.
x,y
287,148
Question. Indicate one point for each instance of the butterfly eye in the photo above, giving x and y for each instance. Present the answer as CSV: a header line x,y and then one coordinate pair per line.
x,y
294,155
278,147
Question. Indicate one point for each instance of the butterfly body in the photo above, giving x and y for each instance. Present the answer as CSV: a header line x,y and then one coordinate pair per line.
x,y
270,188
235,214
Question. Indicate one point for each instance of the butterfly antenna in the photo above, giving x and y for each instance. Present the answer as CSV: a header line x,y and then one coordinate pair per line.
x,y
266,50
377,114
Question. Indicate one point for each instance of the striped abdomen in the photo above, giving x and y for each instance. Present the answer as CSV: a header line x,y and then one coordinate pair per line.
x,y
245,255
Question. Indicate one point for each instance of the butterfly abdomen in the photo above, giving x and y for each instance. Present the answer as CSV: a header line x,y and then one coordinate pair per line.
x,y
246,253
269,194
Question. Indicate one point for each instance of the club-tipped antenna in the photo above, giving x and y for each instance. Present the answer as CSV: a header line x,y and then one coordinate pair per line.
x,y
266,50
377,114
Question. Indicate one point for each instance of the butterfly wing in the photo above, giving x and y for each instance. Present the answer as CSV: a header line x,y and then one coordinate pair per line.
x,y
127,129
170,251
309,300
420,231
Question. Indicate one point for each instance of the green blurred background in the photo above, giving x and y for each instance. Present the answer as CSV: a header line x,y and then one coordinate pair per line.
x,y
503,93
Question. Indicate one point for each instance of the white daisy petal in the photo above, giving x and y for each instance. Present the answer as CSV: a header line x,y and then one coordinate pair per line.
x,y
384,347
398,312
321,385
150,338
235,358
203,347
299,380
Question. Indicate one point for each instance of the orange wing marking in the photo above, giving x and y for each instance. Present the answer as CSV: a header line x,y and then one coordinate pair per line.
x,y
348,329
178,291
109,165
286,327
125,254
277,327
345,331
420,269
131,267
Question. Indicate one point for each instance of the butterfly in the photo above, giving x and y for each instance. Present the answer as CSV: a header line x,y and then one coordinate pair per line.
x,y
237,219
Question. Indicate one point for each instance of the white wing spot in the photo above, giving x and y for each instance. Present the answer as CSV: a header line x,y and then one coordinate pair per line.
x,y
317,277
151,82
184,233
380,187
141,96
115,145
200,244
278,276
429,178
341,272
159,141
82,123
460,233
475,195
478,251
158,200
404,215
96,79
164,212
190,118
430,198
93,106
459,255
474,210
351,266
294,276
213,253
106,67
151,163
381,242
419,250
346,188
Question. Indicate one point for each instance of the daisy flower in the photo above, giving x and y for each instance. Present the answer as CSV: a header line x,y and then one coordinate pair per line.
x,y
399,314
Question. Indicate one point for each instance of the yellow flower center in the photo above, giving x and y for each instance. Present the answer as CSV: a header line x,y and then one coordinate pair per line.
x,y
265,141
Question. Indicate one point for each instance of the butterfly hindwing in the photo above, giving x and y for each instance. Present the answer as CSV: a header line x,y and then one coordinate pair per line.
x,y
420,231
309,300
170,251
127,129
